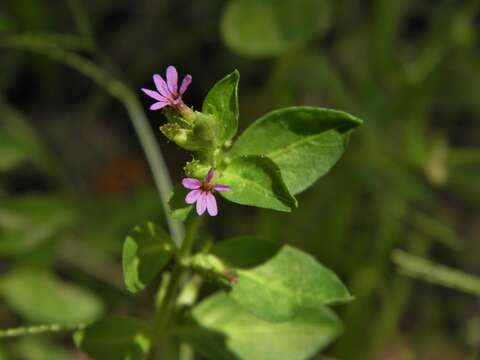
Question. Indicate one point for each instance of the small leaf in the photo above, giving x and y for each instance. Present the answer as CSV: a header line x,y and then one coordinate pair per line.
x,y
40,297
147,249
256,181
305,142
272,27
179,209
222,103
115,338
29,221
222,330
283,279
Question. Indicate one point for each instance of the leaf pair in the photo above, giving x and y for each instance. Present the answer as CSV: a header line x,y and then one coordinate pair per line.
x,y
278,297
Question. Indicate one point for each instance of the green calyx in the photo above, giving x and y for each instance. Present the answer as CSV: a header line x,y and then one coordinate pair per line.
x,y
198,133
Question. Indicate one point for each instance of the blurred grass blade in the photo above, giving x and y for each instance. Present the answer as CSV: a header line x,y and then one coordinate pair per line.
x,y
438,230
423,269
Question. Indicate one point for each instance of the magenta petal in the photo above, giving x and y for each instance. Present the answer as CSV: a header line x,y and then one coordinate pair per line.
x,y
191,183
193,196
210,175
161,85
202,203
154,95
172,79
185,83
221,188
212,205
159,105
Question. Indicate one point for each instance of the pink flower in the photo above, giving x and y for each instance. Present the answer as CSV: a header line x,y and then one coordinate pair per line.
x,y
167,93
202,193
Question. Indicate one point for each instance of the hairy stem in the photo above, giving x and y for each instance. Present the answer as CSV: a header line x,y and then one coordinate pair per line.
x,y
39,329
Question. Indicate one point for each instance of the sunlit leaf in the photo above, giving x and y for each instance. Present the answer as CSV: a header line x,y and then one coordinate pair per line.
x,y
277,281
222,103
256,181
305,142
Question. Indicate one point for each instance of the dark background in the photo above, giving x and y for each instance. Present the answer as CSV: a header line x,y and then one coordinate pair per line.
x,y
73,173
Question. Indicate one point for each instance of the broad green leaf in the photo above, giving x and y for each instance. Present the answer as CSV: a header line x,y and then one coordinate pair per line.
x,y
28,221
278,280
179,209
147,249
40,297
260,28
12,152
222,330
222,103
38,348
256,181
305,142
115,338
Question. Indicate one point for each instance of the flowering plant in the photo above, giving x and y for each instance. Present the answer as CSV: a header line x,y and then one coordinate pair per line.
x,y
263,284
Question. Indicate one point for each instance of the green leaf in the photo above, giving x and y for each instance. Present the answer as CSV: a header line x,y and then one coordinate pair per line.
x,y
40,297
28,221
277,281
115,338
179,209
222,103
222,330
305,142
256,181
272,27
147,249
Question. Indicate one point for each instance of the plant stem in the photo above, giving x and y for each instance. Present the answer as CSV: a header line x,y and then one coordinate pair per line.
x,y
166,310
123,93
156,162
39,329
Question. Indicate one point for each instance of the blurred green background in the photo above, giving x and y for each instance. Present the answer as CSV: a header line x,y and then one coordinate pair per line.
x,y
73,179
